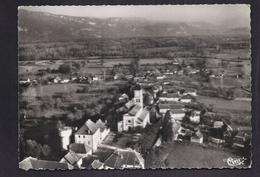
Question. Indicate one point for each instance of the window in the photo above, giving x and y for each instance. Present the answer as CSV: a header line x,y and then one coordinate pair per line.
x,y
129,121
83,136
88,142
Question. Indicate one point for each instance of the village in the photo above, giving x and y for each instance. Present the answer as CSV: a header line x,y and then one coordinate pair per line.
x,y
157,109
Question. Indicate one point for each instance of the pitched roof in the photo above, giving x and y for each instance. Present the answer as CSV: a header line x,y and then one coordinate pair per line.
x,y
33,163
143,115
91,127
134,110
96,164
79,148
129,104
121,158
188,96
101,124
171,106
87,161
72,158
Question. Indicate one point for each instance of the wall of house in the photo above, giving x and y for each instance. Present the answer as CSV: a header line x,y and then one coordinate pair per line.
x,y
128,122
90,140
96,140
104,133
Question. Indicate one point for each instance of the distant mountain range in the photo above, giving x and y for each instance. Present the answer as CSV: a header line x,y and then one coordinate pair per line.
x,y
40,26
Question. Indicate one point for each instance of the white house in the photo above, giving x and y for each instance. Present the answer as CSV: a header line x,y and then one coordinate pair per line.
x,y
186,99
91,134
195,117
170,97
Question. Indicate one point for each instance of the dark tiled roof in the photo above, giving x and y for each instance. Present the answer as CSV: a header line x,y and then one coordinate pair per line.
x,y
87,161
119,159
96,164
171,106
84,130
134,110
79,148
72,158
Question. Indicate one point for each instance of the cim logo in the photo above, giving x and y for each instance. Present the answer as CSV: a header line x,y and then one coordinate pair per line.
x,y
233,162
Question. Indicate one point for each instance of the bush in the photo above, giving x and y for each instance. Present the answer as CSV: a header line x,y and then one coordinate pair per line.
x,y
65,68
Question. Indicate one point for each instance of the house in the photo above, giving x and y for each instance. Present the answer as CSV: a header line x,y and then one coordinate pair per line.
x,y
186,99
35,164
124,158
57,79
123,97
177,114
239,140
216,141
91,133
169,97
25,82
195,117
160,77
163,108
83,150
72,159
197,137
65,81
188,91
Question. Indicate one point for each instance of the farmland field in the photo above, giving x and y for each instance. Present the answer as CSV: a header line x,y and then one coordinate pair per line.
x,y
219,103
180,155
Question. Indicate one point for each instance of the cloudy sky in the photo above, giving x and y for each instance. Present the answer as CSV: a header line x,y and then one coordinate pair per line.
x,y
238,14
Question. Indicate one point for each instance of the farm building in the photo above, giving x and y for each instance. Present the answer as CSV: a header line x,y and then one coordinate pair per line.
x,y
163,108
169,97
35,164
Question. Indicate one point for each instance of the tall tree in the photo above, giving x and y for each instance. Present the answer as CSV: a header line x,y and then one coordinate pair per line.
x,y
167,132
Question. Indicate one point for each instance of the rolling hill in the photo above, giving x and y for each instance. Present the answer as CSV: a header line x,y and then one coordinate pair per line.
x,y
45,27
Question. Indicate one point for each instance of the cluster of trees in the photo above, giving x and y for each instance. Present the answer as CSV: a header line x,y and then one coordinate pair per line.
x,y
34,149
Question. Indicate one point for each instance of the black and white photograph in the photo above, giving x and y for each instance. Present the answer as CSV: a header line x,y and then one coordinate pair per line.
x,y
134,87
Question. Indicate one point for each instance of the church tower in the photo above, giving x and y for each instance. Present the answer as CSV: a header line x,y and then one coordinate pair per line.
x,y
138,97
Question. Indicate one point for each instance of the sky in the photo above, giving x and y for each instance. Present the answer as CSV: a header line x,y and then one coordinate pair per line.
x,y
238,14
